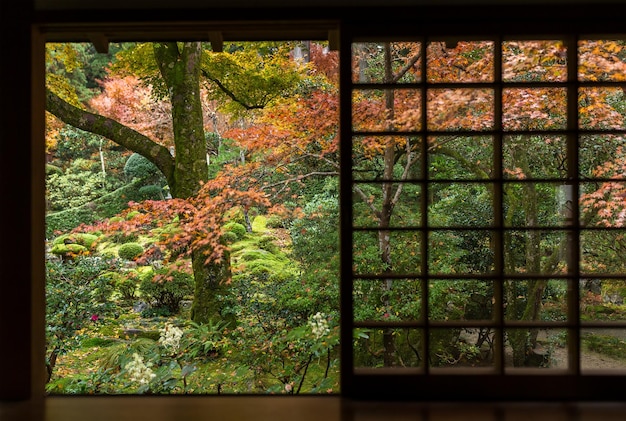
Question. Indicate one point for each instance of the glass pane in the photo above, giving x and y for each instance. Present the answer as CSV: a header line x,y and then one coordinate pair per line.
x,y
387,300
534,108
368,157
536,300
460,157
534,156
537,204
460,109
536,348
603,252
602,156
385,252
460,252
463,61
378,348
368,62
460,205
461,348
372,198
602,204
601,108
460,299
534,61
538,252
603,300
375,110
603,349
601,60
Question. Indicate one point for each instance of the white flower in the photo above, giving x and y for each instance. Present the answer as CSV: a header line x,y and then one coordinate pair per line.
x,y
170,337
319,325
139,371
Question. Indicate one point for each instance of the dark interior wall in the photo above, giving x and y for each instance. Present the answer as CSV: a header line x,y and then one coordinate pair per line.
x,y
15,205
21,169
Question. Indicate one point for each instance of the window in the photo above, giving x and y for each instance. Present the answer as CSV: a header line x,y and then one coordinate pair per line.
x,y
422,381
477,223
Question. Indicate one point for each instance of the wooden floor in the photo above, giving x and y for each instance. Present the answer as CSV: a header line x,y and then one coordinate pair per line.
x,y
296,409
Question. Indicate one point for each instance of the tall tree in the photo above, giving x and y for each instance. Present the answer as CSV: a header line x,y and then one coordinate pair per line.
x,y
178,70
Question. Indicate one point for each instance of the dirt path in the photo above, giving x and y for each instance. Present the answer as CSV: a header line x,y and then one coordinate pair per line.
x,y
589,361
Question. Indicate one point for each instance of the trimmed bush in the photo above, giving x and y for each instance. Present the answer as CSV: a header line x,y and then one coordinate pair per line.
x,y
130,251
68,250
236,228
151,192
229,237
83,239
139,167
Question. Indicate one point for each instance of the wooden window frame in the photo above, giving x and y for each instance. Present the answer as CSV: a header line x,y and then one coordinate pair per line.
x,y
35,28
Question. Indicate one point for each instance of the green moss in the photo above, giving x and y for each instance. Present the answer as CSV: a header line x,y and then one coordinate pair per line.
x,y
606,345
131,215
68,249
130,251
259,224
236,228
83,239
97,342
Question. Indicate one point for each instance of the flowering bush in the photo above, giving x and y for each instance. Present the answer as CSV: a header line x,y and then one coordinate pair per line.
x,y
319,325
170,338
138,371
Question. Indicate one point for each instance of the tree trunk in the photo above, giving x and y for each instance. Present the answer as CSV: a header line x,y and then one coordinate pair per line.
x,y
211,287
180,67
384,235
523,341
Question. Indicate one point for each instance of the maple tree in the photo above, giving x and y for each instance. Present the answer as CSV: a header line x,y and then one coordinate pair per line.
x,y
177,71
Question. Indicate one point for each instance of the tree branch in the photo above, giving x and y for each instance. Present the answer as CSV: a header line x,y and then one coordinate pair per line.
x,y
406,68
122,135
230,94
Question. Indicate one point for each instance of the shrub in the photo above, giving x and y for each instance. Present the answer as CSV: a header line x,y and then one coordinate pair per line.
x,y
229,237
130,251
131,215
165,288
106,206
238,229
75,294
275,221
139,167
68,250
84,239
125,285
151,192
